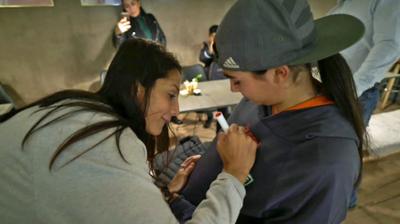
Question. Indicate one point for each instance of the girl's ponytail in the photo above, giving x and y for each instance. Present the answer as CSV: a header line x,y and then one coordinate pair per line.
x,y
338,85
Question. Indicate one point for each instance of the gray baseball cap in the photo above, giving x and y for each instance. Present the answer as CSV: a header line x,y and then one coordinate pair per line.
x,y
256,35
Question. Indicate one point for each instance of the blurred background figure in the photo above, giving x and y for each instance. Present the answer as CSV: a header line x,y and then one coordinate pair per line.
x,y
135,22
207,56
371,57
377,51
212,69
207,52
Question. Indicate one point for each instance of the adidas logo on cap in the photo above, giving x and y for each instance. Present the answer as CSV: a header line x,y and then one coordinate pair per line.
x,y
230,63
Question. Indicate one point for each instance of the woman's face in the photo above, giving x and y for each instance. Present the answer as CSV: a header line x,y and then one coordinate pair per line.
x,y
132,7
261,89
163,103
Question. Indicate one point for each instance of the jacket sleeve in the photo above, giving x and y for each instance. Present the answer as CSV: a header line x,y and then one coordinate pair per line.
x,y
99,187
215,208
182,209
117,40
223,201
160,36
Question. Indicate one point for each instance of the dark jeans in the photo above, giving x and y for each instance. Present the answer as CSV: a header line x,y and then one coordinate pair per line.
x,y
368,101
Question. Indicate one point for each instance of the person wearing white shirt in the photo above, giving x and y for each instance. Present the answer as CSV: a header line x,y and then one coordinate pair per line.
x,y
375,53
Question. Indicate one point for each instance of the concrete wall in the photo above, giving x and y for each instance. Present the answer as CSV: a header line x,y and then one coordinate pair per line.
x,y
43,50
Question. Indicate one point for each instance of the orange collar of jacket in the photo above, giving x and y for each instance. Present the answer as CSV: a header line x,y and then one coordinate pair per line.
x,y
313,102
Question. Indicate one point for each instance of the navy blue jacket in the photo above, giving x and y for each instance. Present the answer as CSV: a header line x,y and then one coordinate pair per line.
x,y
305,170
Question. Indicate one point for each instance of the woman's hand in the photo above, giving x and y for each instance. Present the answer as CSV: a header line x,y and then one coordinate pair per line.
x,y
180,179
123,25
237,151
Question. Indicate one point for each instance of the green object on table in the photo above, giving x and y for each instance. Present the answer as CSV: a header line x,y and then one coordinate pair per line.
x,y
198,77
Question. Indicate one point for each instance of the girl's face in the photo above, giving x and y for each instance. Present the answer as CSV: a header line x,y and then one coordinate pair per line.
x,y
163,103
132,7
261,89
277,87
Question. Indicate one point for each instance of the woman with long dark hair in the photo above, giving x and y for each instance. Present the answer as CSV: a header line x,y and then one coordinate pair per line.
x,y
300,102
81,157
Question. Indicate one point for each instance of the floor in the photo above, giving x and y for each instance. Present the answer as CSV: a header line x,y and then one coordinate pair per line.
x,y
379,195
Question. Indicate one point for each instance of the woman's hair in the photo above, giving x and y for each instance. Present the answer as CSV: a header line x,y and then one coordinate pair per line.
x,y
136,62
123,7
212,29
338,85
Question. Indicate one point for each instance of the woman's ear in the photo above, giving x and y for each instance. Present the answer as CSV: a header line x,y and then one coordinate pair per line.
x,y
140,93
282,75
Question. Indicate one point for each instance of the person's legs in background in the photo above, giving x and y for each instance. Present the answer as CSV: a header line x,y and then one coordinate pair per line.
x,y
209,120
368,101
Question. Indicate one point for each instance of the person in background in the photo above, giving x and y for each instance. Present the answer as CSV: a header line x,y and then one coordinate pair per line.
x,y
83,157
300,102
137,23
212,69
207,56
379,48
207,51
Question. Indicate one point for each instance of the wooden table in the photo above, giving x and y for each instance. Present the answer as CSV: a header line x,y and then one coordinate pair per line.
x,y
5,107
214,94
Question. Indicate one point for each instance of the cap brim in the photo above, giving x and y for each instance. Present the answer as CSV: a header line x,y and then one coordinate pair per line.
x,y
334,34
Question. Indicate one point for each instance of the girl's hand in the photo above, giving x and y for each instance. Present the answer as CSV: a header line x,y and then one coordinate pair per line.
x,y
237,151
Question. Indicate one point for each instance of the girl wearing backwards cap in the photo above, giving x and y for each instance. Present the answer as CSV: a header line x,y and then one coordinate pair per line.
x,y
300,102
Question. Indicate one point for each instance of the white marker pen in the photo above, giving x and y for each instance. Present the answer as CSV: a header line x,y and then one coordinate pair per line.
x,y
222,121
225,126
